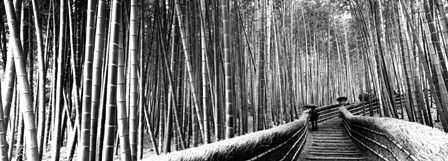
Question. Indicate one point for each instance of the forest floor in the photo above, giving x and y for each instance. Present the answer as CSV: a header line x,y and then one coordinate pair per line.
x,y
437,123
147,151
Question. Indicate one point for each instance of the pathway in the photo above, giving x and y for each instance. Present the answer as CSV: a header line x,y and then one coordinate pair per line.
x,y
330,142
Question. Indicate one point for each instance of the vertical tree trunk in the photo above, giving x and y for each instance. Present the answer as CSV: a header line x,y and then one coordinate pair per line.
x,y
97,69
439,93
57,134
227,77
444,25
185,45
27,104
122,117
204,73
268,81
133,109
216,51
111,107
3,142
261,90
84,142
139,89
41,88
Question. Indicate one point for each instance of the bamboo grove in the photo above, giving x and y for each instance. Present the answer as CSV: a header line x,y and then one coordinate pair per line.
x,y
115,79
404,44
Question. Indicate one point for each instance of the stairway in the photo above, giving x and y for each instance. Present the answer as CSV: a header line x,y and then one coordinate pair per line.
x,y
330,142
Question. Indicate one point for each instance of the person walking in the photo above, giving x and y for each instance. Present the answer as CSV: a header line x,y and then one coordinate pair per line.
x,y
342,101
314,116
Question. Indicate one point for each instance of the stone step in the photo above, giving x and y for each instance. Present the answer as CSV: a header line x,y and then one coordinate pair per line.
x,y
332,138
333,144
334,151
332,141
335,154
320,131
326,133
332,125
330,135
332,148
326,158
330,129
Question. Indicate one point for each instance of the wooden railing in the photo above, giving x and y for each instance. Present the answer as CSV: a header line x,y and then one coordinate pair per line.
x,y
279,143
328,112
286,141
394,139
331,111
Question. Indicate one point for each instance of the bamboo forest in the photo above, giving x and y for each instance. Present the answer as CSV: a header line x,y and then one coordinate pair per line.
x,y
194,80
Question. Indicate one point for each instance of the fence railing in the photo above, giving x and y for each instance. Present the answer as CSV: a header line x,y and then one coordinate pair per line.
x,y
382,139
331,111
394,139
279,143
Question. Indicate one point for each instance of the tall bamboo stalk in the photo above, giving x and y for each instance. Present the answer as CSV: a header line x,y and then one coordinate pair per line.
x,y
111,107
56,143
184,38
42,80
26,106
97,71
122,116
227,79
84,148
133,109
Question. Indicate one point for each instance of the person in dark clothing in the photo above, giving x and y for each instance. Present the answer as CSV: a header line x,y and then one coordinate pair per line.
x,y
342,101
364,97
314,116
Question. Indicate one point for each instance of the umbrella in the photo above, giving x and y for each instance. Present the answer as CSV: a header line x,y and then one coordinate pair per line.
x,y
341,99
310,106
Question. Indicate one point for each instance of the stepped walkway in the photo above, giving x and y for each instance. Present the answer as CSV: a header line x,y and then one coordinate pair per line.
x,y
344,134
330,142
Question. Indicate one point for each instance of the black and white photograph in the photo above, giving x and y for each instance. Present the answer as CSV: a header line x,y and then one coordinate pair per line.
x,y
223,80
